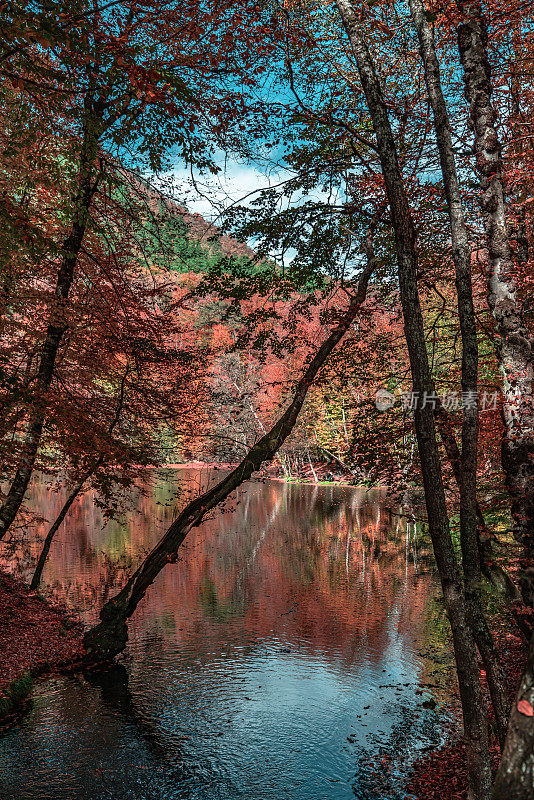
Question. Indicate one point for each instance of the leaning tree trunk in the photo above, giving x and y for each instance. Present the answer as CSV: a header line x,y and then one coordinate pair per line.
x,y
110,636
516,344
467,477
475,725
57,325
38,574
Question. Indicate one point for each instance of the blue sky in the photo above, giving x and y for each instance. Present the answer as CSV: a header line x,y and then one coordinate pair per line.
x,y
234,184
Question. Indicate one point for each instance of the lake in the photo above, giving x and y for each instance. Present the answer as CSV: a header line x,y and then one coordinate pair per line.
x,y
283,657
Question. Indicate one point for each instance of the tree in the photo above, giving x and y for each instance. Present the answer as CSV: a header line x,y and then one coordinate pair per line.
x,y
515,776
80,486
515,340
108,79
405,242
467,477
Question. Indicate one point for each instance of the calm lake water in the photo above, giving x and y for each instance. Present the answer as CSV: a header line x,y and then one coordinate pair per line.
x,y
282,658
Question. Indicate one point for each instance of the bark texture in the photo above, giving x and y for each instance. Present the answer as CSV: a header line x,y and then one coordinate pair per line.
x,y
467,473
405,241
516,344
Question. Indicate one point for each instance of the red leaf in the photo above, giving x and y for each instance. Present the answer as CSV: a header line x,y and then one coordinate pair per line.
x,y
525,708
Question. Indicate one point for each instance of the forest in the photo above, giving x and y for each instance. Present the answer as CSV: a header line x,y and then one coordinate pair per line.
x,y
266,392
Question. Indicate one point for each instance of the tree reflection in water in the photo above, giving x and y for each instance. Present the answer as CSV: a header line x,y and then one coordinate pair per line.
x,y
278,657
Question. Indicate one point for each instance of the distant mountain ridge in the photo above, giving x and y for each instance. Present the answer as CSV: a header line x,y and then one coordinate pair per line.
x,y
206,233
199,229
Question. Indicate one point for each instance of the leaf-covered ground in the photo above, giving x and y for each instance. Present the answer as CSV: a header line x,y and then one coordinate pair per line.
x,y
35,638
442,774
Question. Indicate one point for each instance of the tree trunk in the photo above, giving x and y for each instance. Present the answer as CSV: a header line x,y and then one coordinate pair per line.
x,y
37,575
515,342
464,646
57,325
467,477
110,636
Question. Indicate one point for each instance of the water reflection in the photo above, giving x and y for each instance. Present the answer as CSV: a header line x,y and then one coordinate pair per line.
x,y
276,659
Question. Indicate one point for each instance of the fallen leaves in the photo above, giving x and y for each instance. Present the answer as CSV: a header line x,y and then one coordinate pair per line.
x,y
525,708
34,635
442,771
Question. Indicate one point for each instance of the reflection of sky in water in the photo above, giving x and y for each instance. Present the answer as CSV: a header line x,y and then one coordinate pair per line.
x,y
267,664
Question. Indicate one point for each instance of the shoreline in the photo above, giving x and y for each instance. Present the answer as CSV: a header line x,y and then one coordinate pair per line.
x,y
446,766
40,639
340,480
37,639
265,474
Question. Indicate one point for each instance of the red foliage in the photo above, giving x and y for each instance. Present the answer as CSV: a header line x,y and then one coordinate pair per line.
x,y
35,637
